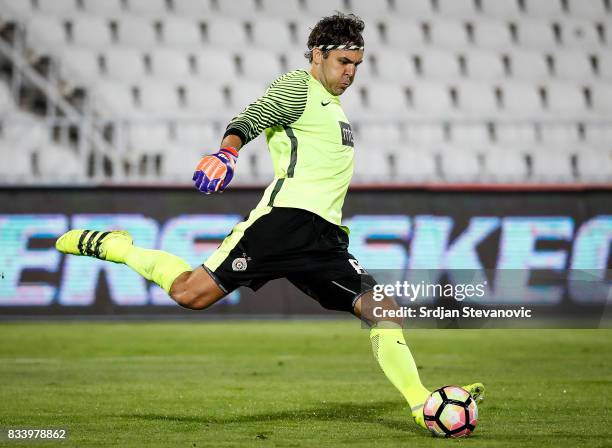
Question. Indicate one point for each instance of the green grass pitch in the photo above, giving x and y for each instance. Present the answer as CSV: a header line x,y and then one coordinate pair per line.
x,y
294,384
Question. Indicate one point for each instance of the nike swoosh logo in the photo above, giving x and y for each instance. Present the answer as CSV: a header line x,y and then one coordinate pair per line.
x,y
401,343
325,104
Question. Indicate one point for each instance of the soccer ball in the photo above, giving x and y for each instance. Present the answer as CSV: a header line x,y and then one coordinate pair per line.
x,y
450,412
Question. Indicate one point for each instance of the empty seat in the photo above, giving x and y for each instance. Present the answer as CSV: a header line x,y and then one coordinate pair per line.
x,y
200,134
322,8
439,65
238,8
516,136
391,66
594,166
295,60
61,8
492,34
502,165
15,10
522,99
579,34
181,32
469,135
485,65
106,8
447,33
148,135
387,100
457,8
601,95
159,98
460,164
79,64
560,135
604,64
192,8
477,98
46,32
372,38
260,166
545,9
218,36
19,130
170,64
244,93
372,9
216,65
302,29
59,163
271,33
20,167
380,132
373,164
287,9
137,32
204,98
431,98
352,103
90,31
598,134
536,34
114,99
592,9
414,9
551,166
156,8
529,66
565,99
403,34
573,65
424,134
501,9
260,65
177,163
420,163
125,64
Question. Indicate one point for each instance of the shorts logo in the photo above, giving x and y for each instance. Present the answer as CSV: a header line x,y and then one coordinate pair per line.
x,y
239,264
358,268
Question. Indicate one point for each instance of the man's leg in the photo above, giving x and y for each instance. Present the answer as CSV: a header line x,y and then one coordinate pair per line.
x,y
392,353
194,289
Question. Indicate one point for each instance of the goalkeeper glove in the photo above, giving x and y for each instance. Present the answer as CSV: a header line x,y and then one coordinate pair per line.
x,y
215,171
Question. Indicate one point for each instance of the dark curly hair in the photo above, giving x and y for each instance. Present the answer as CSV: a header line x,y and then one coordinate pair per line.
x,y
339,29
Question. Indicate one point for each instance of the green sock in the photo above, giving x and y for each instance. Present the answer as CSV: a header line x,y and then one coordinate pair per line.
x,y
396,361
156,265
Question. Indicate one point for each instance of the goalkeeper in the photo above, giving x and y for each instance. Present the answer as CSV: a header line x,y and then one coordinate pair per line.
x,y
295,231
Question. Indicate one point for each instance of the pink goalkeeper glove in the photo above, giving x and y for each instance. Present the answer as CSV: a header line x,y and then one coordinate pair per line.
x,y
215,171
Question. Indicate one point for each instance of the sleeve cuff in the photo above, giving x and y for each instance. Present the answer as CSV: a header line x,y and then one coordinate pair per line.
x,y
237,132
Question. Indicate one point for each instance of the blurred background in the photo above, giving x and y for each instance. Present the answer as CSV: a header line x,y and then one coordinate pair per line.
x,y
122,91
463,111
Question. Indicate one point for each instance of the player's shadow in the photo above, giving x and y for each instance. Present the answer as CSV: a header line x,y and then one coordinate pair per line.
x,y
344,412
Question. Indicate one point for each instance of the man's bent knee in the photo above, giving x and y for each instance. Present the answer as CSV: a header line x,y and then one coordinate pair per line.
x,y
195,290
374,311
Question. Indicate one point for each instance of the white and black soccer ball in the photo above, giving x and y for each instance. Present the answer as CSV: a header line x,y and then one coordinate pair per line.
x,y
450,412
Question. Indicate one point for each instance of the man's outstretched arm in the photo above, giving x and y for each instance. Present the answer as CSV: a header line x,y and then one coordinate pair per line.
x,y
282,104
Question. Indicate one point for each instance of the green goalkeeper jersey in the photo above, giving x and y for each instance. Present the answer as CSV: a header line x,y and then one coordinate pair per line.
x,y
310,141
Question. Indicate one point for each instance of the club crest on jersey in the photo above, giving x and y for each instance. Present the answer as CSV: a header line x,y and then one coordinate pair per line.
x,y
239,264
347,134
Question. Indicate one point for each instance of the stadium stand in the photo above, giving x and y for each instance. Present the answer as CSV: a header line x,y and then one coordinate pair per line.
x,y
456,90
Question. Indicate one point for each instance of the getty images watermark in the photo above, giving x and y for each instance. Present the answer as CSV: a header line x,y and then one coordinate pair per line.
x,y
459,292
493,298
